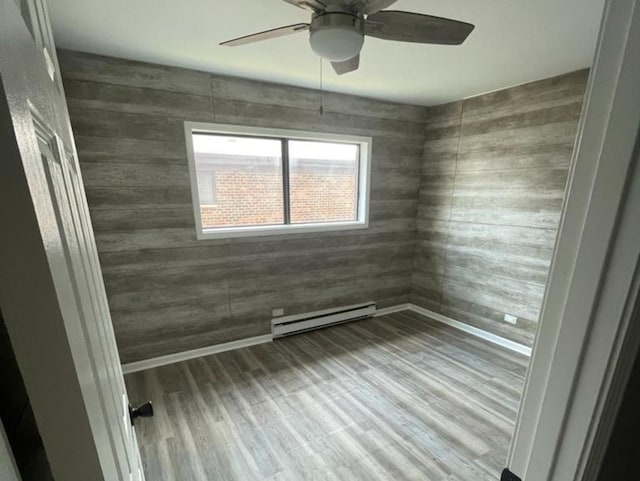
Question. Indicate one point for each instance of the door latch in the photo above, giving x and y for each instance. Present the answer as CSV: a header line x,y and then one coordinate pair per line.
x,y
143,411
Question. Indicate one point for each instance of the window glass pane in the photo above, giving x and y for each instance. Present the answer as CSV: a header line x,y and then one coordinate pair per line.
x,y
239,180
323,181
207,187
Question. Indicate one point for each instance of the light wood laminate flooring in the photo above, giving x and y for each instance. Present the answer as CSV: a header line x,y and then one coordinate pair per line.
x,y
398,397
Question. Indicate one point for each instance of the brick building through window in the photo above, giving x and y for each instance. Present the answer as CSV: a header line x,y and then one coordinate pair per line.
x,y
239,189
245,182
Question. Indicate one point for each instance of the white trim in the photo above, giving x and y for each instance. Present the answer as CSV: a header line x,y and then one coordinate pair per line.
x,y
392,309
267,230
252,341
585,316
474,331
364,181
276,133
323,312
282,327
194,353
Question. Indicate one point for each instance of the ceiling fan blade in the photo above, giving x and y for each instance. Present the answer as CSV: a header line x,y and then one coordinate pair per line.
x,y
417,28
369,7
346,66
266,35
313,5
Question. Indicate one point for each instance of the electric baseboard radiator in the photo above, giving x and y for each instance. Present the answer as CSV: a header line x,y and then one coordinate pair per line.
x,y
288,325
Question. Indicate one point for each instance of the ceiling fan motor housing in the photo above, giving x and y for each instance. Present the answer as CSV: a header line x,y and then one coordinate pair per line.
x,y
337,36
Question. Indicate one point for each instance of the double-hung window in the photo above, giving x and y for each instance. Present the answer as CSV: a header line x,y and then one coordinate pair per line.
x,y
248,181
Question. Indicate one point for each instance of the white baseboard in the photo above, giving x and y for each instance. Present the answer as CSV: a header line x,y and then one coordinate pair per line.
x,y
194,353
482,334
390,310
252,341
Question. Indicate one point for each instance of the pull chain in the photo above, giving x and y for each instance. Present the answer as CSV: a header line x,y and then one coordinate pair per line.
x,y
321,91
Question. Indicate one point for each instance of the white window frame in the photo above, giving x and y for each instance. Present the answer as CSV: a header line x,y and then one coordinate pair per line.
x,y
364,180
213,202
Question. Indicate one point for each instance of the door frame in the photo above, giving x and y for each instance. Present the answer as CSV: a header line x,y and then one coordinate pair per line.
x,y
51,289
586,342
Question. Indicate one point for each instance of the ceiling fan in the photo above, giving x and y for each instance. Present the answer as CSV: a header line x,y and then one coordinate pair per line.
x,y
338,28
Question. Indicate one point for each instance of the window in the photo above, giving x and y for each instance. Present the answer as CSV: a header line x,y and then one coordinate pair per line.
x,y
254,181
207,187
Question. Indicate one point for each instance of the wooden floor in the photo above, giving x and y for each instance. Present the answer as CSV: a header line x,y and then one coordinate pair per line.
x,y
398,397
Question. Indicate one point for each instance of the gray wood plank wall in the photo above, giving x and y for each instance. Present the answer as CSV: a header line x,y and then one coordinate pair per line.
x,y
492,185
169,292
474,188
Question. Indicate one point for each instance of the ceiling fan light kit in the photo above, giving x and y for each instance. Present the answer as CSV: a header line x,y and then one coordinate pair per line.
x,y
336,36
337,30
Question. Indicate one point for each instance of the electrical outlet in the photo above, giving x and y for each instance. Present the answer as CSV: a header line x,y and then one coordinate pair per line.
x,y
277,312
510,319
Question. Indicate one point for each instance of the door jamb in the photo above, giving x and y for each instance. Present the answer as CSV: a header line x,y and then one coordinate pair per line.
x,y
585,346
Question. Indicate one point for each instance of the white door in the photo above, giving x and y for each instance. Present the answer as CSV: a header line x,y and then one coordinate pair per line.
x,y
36,128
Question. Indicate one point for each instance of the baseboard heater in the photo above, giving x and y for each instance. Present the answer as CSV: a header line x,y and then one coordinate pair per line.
x,y
288,325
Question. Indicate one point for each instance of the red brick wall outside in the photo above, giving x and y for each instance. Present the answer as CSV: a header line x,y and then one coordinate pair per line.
x,y
245,197
319,197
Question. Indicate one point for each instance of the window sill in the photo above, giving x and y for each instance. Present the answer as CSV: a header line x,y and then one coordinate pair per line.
x,y
270,230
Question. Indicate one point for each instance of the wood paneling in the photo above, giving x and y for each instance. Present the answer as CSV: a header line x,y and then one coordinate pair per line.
x,y
492,185
463,213
169,292
393,398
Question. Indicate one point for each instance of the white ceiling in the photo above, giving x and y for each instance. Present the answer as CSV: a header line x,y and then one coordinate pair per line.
x,y
515,41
